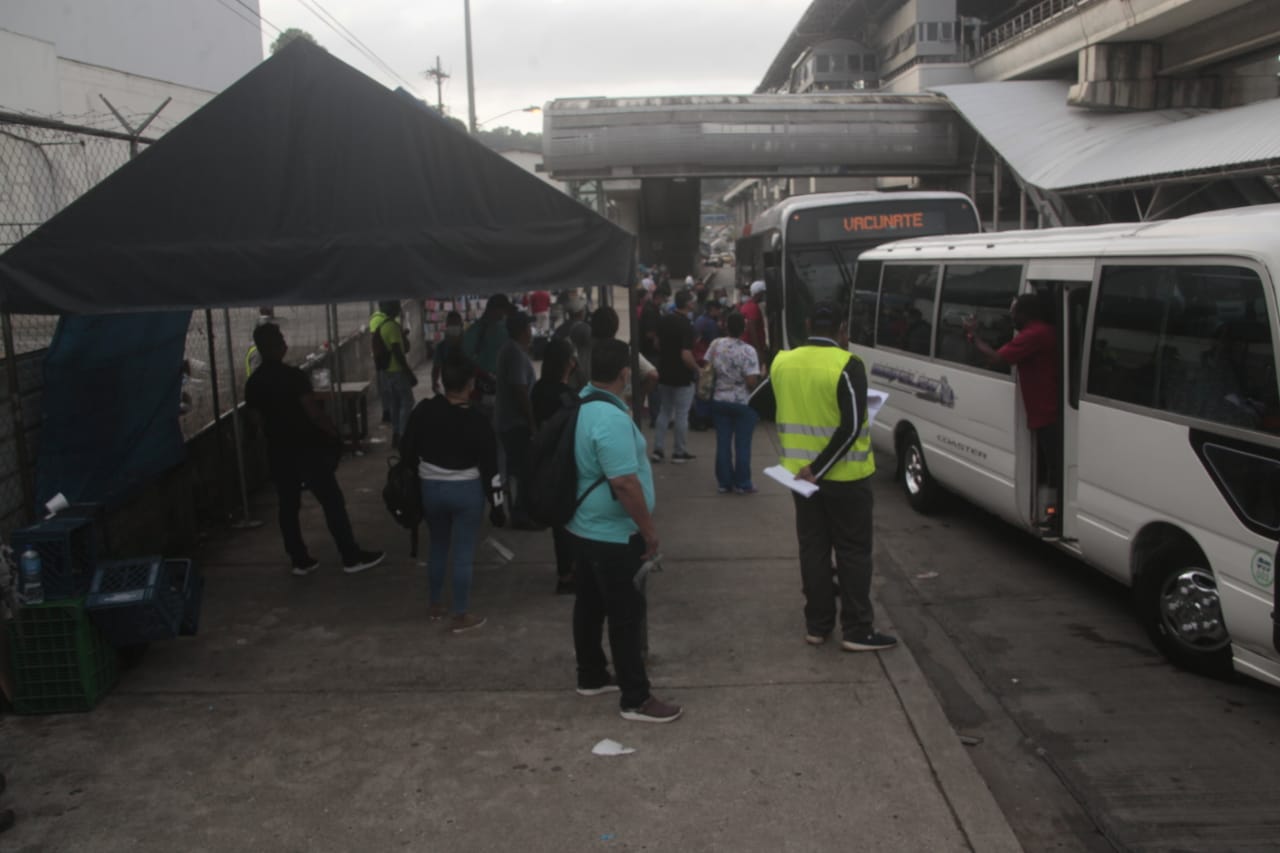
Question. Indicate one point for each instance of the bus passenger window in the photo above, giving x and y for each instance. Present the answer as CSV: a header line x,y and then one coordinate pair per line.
x,y
982,291
1190,340
907,296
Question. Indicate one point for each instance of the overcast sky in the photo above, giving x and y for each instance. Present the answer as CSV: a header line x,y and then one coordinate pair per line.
x,y
531,51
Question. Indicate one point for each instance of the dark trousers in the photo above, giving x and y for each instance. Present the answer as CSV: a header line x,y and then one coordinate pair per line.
x,y
565,552
515,444
836,519
316,469
1048,464
606,589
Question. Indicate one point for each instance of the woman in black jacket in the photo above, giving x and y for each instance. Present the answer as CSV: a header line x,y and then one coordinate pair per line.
x,y
457,456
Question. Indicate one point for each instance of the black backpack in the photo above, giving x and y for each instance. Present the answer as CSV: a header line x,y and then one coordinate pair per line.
x,y
551,497
402,494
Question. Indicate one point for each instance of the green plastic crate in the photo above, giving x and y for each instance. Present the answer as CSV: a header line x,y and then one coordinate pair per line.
x,y
60,660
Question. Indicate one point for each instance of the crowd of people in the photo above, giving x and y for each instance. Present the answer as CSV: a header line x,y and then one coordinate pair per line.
x,y
701,355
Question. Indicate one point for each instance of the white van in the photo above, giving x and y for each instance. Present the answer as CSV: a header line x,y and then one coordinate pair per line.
x,y
1167,462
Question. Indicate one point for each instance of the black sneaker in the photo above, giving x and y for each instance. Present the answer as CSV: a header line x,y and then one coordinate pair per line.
x,y
305,567
610,686
872,641
364,560
658,456
682,457
654,710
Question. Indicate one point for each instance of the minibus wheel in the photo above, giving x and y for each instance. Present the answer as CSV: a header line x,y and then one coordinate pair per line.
x,y
1178,603
923,492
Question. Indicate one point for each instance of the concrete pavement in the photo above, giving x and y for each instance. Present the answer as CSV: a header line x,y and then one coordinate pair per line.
x,y
327,713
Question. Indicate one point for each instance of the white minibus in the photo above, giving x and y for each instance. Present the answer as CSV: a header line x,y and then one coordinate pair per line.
x,y
1164,465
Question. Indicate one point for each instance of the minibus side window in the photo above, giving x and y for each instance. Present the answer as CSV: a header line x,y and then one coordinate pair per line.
x,y
984,291
1189,340
907,295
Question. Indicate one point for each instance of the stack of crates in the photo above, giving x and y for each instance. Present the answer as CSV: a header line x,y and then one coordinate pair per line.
x,y
61,662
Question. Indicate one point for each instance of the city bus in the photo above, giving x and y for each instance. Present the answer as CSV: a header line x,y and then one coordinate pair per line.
x,y
1169,429
804,248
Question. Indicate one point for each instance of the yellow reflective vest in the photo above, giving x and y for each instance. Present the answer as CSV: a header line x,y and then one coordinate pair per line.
x,y
805,382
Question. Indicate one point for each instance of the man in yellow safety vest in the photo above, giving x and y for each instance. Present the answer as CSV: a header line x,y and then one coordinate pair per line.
x,y
821,394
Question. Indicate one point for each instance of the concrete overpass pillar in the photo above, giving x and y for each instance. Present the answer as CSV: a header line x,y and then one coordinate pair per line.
x,y
671,223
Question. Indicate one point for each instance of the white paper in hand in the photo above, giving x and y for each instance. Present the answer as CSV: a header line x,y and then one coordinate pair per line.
x,y
786,478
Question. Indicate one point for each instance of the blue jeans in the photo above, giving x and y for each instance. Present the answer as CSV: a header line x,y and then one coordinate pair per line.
x,y
401,395
735,423
676,400
453,511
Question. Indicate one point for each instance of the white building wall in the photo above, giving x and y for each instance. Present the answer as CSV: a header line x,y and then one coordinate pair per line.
x,y
197,43
28,74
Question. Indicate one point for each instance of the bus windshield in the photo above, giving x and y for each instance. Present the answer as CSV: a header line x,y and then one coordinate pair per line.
x,y
822,244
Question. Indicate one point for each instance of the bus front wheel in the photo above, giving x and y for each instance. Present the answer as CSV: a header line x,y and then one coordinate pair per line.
x,y
1179,606
923,492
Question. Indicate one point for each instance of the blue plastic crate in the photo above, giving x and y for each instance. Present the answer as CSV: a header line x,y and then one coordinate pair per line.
x,y
67,549
137,601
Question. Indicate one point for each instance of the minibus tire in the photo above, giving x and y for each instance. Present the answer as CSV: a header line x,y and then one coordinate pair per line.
x,y
922,491
1160,578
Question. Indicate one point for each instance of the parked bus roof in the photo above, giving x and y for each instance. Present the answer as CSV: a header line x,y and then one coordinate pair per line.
x,y
1250,230
774,216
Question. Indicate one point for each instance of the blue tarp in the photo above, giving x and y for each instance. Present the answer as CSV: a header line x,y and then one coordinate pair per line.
x,y
112,389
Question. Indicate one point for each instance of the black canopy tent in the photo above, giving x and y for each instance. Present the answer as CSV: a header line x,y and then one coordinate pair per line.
x,y
306,182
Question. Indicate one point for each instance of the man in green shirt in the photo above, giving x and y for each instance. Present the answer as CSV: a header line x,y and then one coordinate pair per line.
x,y
399,376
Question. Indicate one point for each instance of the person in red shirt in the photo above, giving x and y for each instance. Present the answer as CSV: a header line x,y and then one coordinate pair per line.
x,y
1034,351
540,308
753,313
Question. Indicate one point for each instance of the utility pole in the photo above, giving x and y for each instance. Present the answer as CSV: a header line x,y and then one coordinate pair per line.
x,y
439,76
471,82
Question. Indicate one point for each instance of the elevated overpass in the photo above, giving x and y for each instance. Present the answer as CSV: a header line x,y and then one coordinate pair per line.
x,y
836,134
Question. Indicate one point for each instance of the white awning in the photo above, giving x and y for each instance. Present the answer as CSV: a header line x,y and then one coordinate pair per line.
x,y
1054,146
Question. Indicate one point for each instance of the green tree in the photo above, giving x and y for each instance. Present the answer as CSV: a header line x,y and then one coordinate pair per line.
x,y
289,35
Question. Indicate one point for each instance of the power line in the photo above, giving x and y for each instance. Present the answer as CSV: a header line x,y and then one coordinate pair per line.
x,y
258,15
328,19
233,10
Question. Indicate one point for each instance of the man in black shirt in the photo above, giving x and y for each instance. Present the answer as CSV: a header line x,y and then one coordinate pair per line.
x,y
677,370
303,449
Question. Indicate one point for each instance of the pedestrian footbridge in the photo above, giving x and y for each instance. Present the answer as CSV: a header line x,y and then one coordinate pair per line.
x,y
841,134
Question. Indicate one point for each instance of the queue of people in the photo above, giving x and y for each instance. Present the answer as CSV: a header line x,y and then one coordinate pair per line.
x,y
488,402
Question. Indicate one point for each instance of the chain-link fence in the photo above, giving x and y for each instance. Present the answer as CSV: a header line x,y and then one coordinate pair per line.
x,y
44,166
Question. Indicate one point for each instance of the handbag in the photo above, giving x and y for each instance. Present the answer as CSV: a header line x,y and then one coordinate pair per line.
x,y
707,377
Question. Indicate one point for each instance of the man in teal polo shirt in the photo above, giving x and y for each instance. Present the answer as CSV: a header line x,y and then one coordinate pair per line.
x,y
613,533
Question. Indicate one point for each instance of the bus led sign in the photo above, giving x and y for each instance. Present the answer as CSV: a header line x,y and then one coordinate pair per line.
x,y
882,222
879,225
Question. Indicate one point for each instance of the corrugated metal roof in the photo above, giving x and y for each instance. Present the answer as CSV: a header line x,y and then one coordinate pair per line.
x,y
1055,146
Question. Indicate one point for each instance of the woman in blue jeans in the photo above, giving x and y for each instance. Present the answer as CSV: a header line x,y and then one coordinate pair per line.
x,y
737,371
457,456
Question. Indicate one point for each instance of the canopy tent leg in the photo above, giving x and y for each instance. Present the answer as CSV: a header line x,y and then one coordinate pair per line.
x,y
245,521
25,463
217,412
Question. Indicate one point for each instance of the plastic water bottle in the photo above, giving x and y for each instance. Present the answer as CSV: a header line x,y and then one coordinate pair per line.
x,y
32,582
